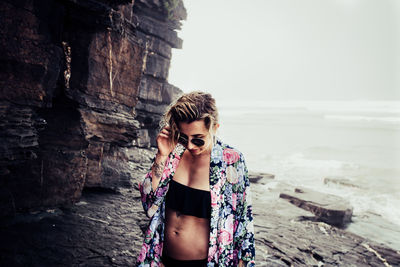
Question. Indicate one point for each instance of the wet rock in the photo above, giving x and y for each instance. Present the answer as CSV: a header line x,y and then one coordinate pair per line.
x,y
256,177
157,27
340,181
155,91
326,208
106,228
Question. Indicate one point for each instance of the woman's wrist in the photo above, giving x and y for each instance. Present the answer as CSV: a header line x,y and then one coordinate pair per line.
x,y
158,165
160,156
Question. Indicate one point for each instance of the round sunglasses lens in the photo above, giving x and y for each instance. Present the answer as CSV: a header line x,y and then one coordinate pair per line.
x,y
198,142
182,140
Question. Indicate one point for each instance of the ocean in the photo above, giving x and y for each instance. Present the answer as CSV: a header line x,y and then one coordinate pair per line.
x,y
345,148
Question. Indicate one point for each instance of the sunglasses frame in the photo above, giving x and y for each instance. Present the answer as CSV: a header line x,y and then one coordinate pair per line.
x,y
200,142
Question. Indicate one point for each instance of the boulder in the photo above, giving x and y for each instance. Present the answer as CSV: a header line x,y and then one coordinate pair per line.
x,y
327,208
340,181
256,177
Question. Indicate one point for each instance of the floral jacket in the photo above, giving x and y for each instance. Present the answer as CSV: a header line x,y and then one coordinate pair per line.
x,y
231,223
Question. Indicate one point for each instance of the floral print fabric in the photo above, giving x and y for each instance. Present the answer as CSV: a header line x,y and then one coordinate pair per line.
x,y
231,223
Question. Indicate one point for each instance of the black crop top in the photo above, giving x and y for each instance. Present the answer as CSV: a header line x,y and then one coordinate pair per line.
x,y
188,200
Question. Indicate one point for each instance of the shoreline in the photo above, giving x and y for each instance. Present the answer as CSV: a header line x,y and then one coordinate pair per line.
x,y
368,225
106,229
287,233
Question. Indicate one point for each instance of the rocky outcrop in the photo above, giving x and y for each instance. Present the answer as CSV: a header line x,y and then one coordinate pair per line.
x,y
262,178
159,37
83,84
341,181
327,208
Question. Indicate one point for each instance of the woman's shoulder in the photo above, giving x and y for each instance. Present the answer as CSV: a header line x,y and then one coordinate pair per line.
x,y
227,149
225,145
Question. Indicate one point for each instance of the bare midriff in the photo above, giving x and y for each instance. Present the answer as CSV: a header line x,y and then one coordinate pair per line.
x,y
186,237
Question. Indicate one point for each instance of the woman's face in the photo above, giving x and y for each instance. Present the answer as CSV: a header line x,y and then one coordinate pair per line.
x,y
196,129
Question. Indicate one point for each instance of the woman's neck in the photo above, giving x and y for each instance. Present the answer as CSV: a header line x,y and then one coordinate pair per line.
x,y
199,157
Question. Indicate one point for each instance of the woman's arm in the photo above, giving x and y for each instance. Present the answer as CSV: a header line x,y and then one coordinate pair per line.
x,y
149,186
155,184
157,170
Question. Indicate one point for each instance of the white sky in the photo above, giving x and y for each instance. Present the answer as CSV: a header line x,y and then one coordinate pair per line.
x,y
290,49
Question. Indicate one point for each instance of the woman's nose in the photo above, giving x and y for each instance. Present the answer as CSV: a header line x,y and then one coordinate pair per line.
x,y
190,145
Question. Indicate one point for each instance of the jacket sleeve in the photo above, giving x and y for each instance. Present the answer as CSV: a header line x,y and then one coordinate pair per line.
x,y
147,193
152,199
245,229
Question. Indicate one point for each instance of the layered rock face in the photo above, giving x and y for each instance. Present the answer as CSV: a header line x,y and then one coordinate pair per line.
x,y
159,37
83,85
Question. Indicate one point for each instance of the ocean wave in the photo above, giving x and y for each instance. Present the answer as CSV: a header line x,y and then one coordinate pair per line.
x,y
360,189
395,120
351,107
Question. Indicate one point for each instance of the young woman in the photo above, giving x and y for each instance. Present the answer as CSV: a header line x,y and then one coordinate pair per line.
x,y
197,193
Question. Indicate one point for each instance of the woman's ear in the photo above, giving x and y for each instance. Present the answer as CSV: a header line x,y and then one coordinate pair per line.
x,y
215,128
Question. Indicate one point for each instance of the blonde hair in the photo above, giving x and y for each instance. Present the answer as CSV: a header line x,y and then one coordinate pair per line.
x,y
190,107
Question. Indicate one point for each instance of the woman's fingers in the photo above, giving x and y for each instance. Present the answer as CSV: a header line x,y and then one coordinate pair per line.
x,y
163,135
164,131
163,141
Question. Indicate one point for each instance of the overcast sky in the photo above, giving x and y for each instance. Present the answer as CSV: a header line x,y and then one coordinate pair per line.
x,y
290,49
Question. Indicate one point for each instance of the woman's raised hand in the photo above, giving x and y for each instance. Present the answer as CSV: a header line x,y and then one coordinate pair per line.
x,y
164,143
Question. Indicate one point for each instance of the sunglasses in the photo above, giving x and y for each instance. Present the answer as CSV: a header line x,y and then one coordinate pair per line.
x,y
183,139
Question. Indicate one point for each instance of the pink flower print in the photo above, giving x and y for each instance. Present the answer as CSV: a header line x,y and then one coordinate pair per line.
x,y
158,249
234,201
218,185
211,252
229,223
214,199
225,237
230,156
235,226
175,163
143,252
146,187
221,249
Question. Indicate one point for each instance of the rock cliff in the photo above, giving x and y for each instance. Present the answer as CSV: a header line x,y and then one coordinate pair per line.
x,y
83,86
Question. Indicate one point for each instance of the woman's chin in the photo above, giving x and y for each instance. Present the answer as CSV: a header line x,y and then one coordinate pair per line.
x,y
194,151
